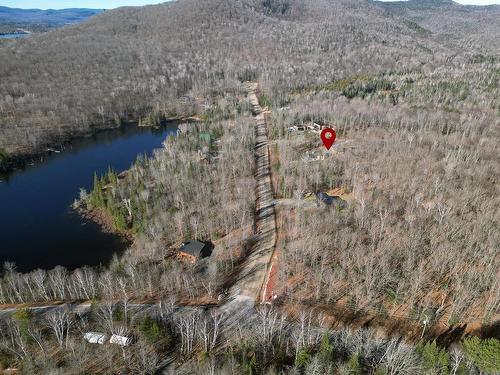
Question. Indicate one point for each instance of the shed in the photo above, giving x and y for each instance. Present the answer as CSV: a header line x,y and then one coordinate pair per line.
x,y
194,250
95,337
120,340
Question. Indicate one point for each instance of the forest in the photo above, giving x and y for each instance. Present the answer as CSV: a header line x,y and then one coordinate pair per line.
x,y
402,279
159,202
132,62
198,342
412,239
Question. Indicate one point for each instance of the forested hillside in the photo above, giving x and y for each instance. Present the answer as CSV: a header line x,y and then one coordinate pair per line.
x,y
419,161
409,253
130,62
471,27
416,242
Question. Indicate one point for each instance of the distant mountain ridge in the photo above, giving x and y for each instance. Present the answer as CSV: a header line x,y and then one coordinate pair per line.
x,y
49,16
464,24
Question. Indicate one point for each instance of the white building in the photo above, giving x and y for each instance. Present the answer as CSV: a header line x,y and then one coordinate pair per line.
x,y
120,340
95,337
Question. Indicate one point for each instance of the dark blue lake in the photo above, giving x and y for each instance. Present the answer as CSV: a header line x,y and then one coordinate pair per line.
x,y
38,229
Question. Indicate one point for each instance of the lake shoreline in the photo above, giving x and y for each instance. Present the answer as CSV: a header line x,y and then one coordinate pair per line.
x,y
14,35
101,218
18,162
39,224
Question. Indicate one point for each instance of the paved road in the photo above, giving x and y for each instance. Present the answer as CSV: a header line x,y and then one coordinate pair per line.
x,y
78,308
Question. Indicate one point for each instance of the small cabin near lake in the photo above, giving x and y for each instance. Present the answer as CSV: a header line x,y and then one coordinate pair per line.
x,y
193,250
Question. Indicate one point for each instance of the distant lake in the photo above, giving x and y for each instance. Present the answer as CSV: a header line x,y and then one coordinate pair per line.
x,y
12,36
38,229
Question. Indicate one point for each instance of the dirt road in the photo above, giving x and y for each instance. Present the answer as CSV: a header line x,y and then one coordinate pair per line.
x,y
247,290
256,268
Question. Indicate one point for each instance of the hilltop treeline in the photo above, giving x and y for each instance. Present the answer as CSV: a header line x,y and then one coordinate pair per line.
x,y
466,26
132,62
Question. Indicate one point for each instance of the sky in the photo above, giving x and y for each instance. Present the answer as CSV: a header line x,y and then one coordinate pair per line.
x,y
109,4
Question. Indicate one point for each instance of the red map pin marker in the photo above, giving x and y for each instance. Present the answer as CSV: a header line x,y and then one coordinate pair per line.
x,y
328,136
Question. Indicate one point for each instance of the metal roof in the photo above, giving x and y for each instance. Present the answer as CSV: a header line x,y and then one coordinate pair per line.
x,y
193,248
95,337
120,340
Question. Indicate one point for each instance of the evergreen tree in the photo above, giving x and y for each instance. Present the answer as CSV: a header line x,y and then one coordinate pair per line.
x,y
354,364
302,359
484,353
434,358
326,349
23,317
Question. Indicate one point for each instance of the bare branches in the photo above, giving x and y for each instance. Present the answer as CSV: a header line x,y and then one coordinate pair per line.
x,y
60,321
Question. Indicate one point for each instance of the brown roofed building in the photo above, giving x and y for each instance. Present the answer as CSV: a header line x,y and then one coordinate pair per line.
x,y
193,250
